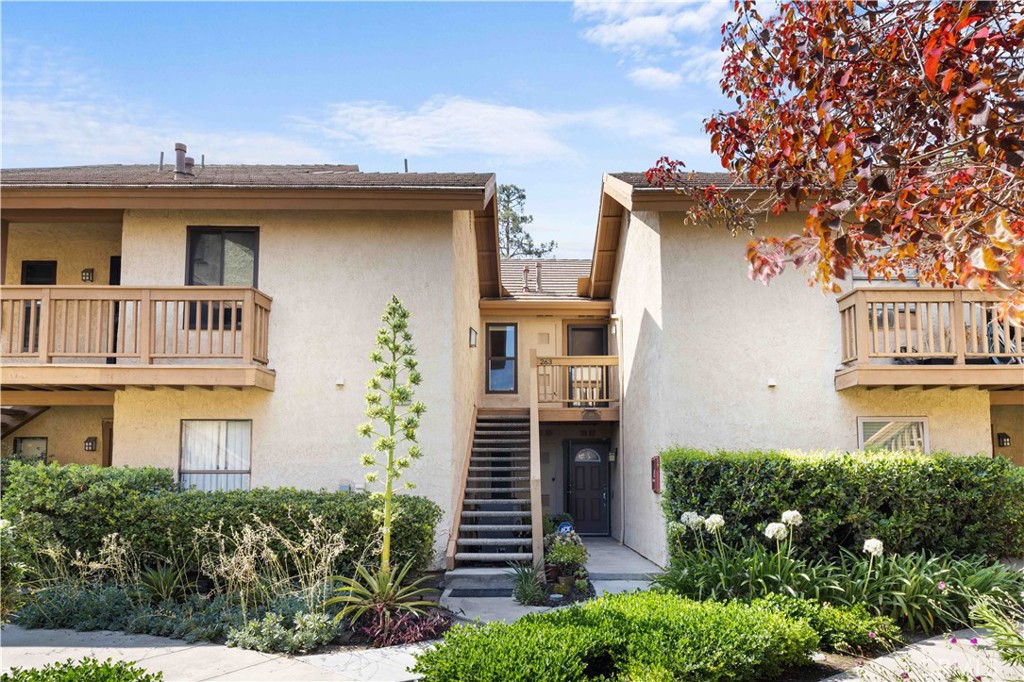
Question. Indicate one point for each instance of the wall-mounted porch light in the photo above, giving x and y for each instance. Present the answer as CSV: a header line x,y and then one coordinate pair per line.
x,y
90,444
472,338
1003,440
88,275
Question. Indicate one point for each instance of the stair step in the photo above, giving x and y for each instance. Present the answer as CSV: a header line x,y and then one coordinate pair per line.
x,y
494,449
487,501
502,417
466,513
483,527
506,431
504,479
493,468
494,458
497,490
491,542
485,556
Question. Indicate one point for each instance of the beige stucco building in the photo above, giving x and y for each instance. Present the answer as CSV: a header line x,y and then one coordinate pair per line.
x,y
218,321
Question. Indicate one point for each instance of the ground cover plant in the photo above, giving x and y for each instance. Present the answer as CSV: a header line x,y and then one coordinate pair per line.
x,y
937,503
85,670
640,636
920,592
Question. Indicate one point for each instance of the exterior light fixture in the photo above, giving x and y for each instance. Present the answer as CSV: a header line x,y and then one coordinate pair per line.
x,y
472,338
1003,440
90,444
88,275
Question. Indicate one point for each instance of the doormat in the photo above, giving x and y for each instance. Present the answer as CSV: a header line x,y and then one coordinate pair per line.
x,y
481,593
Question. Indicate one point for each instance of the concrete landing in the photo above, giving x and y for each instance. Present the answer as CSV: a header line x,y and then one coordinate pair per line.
x,y
610,560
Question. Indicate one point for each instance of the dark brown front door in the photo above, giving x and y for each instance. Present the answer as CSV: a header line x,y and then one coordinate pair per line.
x,y
588,487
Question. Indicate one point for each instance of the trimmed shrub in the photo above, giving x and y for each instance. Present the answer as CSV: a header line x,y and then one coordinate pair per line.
x,y
912,502
841,628
86,670
641,636
79,505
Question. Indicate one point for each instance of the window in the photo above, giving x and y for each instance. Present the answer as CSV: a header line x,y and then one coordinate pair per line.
x,y
30,447
501,358
215,453
220,256
892,433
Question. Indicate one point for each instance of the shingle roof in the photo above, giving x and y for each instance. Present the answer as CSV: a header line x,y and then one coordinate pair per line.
x,y
687,180
558,277
306,176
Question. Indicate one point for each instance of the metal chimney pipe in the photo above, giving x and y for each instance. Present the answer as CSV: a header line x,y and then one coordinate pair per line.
x,y
179,161
190,164
161,160
526,278
539,286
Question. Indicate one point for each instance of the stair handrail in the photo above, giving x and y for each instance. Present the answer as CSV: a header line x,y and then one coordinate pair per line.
x,y
453,538
536,501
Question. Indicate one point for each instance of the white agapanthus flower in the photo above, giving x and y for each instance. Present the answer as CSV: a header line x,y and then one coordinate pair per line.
x,y
714,523
776,531
792,518
873,546
692,519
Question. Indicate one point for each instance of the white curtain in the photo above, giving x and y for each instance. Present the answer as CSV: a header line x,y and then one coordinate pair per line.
x,y
215,454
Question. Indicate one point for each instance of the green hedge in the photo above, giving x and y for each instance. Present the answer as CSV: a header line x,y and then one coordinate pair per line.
x,y
79,505
85,670
641,636
937,502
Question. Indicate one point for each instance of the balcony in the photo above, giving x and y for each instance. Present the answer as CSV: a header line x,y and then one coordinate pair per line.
x,y
902,337
104,338
576,387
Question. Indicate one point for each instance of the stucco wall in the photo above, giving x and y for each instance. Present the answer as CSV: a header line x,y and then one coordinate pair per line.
x,y
713,340
75,247
330,275
467,362
638,295
66,429
1009,419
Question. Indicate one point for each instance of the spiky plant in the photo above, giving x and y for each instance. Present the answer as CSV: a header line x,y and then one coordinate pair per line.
x,y
394,416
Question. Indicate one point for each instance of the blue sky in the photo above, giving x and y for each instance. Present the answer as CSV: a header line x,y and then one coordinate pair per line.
x,y
546,95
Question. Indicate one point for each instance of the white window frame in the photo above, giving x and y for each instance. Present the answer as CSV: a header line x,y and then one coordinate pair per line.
x,y
182,471
924,420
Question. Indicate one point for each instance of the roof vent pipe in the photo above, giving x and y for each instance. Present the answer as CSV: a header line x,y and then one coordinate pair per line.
x,y
539,286
179,161
190,164
526,278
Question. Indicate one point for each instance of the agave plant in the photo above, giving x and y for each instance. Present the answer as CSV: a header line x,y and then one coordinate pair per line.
x,y
162,582
382,591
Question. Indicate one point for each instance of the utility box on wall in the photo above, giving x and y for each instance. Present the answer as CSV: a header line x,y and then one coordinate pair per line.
x,y
656,474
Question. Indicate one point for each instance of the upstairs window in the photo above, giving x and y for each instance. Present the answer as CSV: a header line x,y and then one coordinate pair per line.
x,y
215,454
501,358
892,433
223,256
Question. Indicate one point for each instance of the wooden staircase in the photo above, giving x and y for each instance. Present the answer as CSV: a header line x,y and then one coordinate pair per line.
x,y
495,517
13,418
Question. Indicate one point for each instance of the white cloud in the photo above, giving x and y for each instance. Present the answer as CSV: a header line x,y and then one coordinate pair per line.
x,y
647,27
655,78
499,132
57,111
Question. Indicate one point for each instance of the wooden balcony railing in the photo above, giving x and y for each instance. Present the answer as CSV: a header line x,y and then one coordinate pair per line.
x,y
139,325
951,326
578,380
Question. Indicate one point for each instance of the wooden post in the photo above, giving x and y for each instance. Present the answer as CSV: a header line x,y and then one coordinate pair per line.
x,y
145,323
956,328
862,328
536,502
248,326
44,327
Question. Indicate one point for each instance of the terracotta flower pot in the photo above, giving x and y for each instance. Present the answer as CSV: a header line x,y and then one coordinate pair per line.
x,y
566,579
551,572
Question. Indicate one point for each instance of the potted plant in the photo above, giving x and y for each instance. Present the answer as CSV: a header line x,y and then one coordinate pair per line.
x,y
569,558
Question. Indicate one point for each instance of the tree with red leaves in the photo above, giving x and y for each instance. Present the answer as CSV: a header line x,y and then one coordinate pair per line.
x,y
896,125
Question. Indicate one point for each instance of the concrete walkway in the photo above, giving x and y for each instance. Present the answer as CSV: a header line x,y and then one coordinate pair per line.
x,y
938,659
616,568
180,661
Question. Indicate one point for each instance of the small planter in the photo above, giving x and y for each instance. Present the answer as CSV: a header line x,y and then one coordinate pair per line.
x,y
551,572
566,580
